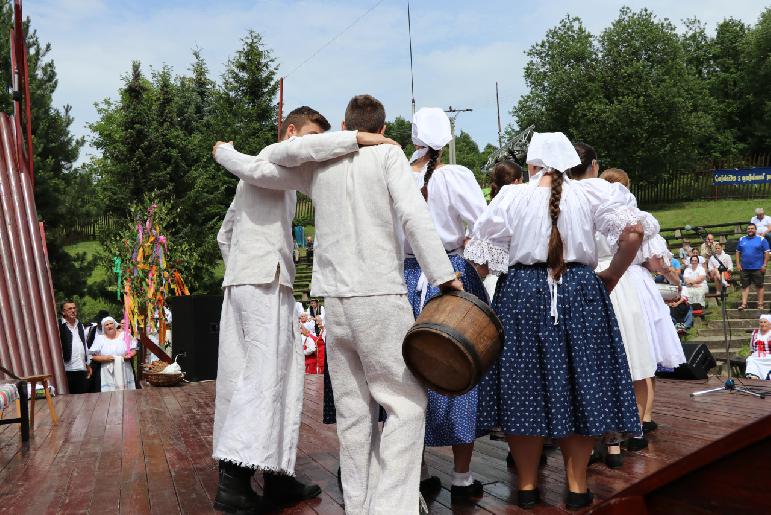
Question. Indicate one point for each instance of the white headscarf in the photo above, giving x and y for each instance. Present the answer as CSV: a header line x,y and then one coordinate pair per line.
x,y
430,129
552,150
767,318
108,319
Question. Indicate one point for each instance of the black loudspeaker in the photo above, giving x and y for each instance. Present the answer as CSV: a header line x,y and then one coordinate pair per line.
x,y
699,362
195,334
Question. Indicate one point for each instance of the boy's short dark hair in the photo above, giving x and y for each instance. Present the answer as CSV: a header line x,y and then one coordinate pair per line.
x,y
302,116
364,113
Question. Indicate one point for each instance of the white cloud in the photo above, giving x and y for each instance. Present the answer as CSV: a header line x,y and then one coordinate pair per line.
x,y
461,48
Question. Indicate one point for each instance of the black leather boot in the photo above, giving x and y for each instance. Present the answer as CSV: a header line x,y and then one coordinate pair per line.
x,y
283,489
234,493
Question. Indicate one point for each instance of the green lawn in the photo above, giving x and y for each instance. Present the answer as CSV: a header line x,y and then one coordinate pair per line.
x,y
707,212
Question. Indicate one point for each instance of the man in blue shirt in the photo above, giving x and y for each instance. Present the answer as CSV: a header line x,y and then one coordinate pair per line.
x,y
752,254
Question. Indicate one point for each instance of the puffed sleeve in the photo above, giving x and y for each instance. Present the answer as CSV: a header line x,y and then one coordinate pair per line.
x,y
464,196
491,236
610,207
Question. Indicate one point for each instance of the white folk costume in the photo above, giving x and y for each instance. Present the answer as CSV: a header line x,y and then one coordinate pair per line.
x,y
455,201
759,361
627,306
539,387
260,370
363,202
116,374
696,293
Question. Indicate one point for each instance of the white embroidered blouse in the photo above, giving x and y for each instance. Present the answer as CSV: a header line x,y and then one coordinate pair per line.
x,y
455,202
515,227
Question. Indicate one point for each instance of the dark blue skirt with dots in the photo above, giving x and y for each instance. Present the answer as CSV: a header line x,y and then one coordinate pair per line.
x,y
557,380
449,420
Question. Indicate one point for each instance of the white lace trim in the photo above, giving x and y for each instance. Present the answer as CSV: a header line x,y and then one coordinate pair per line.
x,y
482,252
616,221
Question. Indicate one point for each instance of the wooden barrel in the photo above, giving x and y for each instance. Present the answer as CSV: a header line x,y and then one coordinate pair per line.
x,y
454,341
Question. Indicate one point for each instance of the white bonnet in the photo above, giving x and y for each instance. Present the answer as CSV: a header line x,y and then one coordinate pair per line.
x,y
108,319
431,128
552,150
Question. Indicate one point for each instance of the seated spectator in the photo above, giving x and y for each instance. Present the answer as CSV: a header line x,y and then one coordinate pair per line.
x,y
111,351
762,224
708,247
759,361
309,247
685,250
717,259
309,340
682,315
696,286
702,261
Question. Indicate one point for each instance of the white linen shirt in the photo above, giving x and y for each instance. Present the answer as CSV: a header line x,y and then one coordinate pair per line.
x,y
515,227
725,258
78,359
363,201
455,201
256,235
763,225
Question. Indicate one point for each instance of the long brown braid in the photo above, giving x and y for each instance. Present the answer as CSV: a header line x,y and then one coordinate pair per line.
x,y
555,260
433,158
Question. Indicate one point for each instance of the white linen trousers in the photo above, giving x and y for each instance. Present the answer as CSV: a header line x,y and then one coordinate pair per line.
x,y
260,377
380,469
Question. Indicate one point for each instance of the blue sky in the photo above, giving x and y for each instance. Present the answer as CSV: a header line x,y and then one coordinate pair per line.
x,y
461,48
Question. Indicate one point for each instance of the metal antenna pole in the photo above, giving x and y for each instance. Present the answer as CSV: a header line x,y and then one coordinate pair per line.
x,y
453,114
498,107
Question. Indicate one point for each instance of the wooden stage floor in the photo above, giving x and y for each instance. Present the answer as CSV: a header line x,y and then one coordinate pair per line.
x,y
148,451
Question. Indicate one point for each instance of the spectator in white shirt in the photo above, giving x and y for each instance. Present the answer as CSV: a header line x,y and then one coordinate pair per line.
x,y
702,260
73,339
762,224
718,258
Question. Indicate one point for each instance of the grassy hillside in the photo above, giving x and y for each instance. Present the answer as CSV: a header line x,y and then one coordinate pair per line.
x,y
706,212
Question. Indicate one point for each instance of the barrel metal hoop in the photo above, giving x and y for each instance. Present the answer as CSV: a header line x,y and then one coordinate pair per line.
x,y
486,309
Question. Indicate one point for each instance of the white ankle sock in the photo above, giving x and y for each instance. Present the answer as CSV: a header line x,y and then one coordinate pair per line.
x,y
462,478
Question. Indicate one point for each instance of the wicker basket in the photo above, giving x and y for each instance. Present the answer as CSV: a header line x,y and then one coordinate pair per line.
x,y
164,379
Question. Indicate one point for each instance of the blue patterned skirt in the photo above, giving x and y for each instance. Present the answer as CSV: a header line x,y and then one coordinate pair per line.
x,y
557,380
449,420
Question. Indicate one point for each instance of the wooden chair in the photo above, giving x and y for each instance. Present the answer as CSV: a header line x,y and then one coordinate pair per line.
x,y
42,379
15,392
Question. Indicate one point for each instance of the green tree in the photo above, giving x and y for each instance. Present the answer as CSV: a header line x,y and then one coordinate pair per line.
x,y
757,78
563,81
400,130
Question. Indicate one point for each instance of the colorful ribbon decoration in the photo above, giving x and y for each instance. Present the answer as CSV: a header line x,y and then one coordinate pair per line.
x,y
148,280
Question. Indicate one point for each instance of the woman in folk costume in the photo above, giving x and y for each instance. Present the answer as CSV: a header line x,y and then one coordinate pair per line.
x,y
627,306
114,354
759,362
504,173
654,256
563,372
455,201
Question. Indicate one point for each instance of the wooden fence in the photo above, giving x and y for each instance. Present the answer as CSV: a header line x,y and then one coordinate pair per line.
x,y
698,185
87,230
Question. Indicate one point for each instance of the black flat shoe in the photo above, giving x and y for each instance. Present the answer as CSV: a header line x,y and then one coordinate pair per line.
x,y
636,444
286,489
575,501
649,427
526,499
464,493
614,461
431,487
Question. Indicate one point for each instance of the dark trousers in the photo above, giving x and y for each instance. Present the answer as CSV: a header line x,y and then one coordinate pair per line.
x,y
77,381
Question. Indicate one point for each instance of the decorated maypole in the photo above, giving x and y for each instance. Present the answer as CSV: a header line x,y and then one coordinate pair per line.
x,y
146,276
